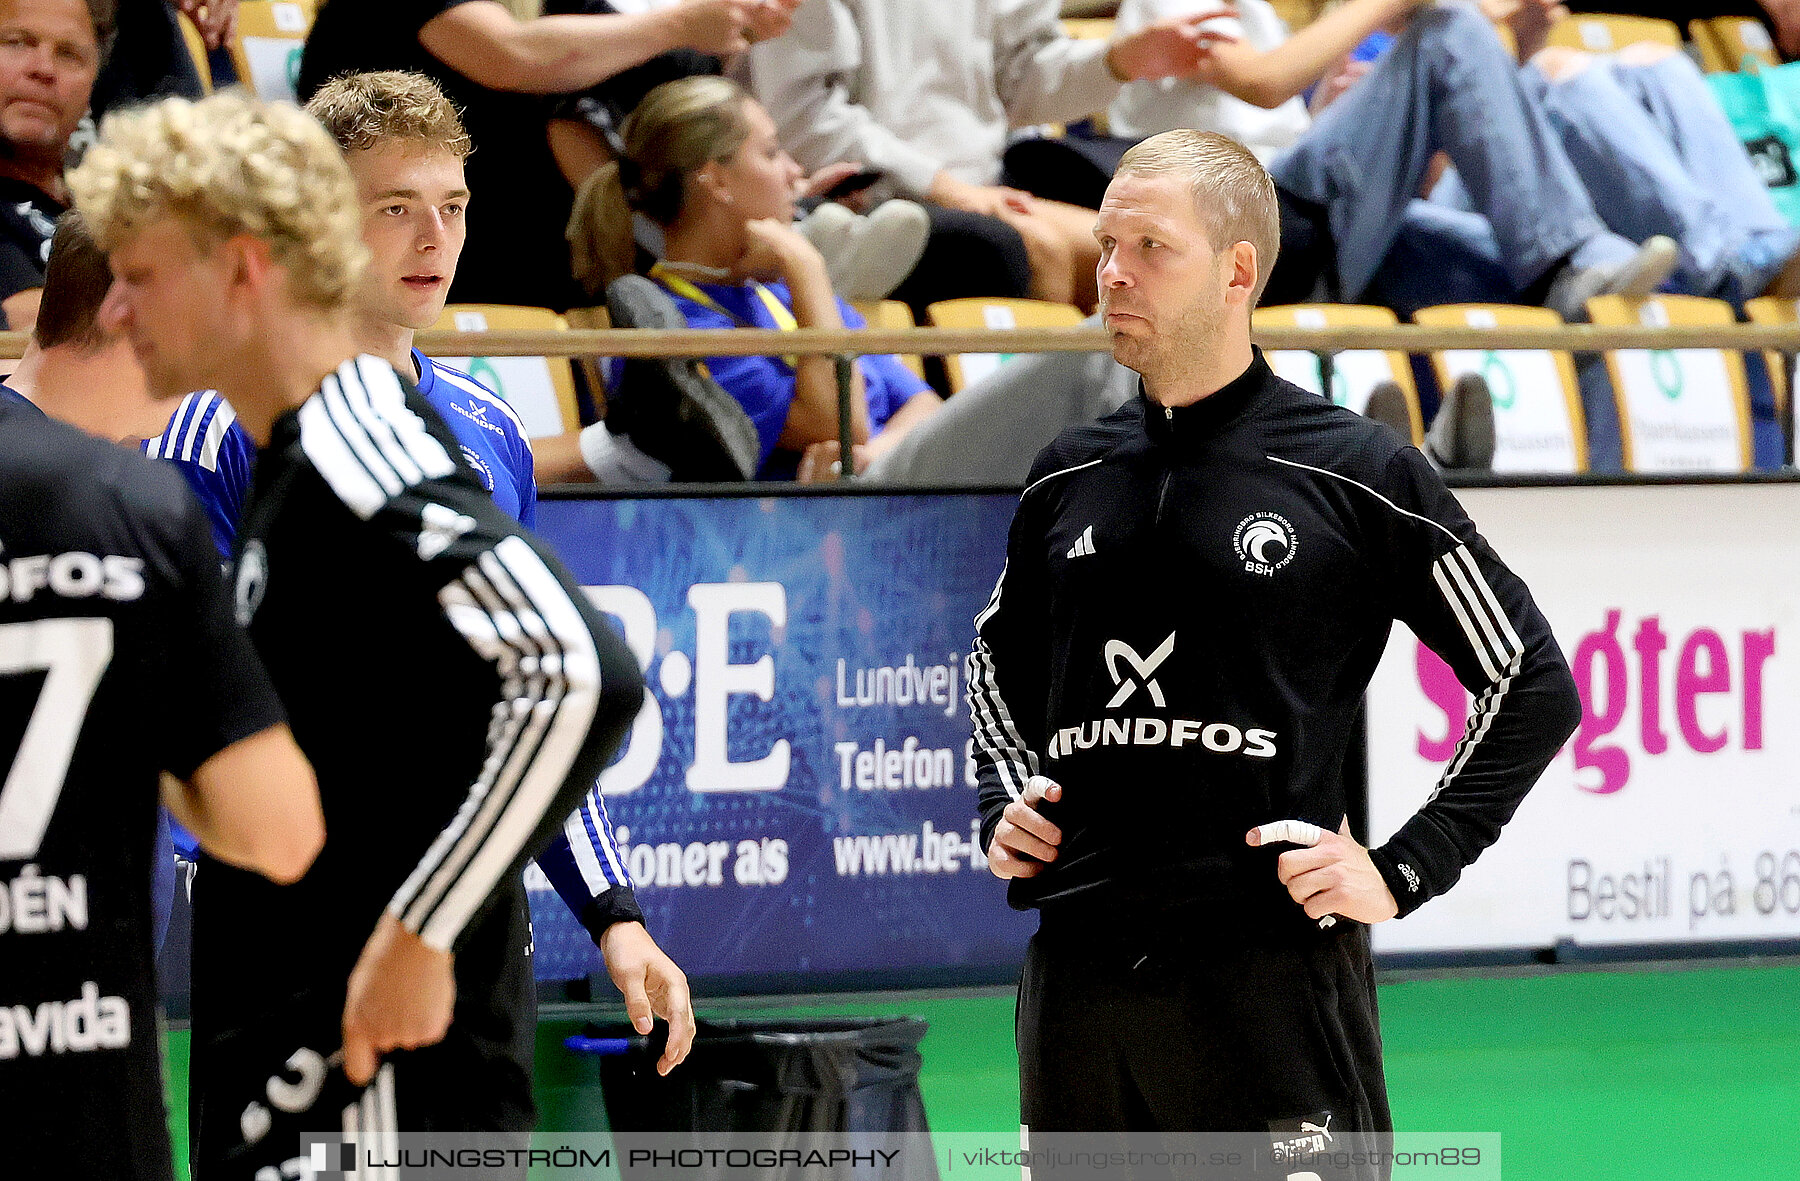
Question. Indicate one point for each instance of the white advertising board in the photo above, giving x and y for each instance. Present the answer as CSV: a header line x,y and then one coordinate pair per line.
x,y
1673,814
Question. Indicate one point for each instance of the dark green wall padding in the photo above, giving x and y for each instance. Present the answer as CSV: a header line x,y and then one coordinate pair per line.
x,y
1686,1071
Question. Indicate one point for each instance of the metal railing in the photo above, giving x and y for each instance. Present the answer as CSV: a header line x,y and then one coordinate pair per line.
x,y
741,342
845,343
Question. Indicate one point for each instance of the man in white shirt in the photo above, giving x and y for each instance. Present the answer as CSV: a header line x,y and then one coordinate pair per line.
x,y
927,91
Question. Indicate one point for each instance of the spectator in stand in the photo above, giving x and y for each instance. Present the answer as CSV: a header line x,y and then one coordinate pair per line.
x,y
702,162
868,254
159,63
1650,141
926,92
499,63
50,53
1351,183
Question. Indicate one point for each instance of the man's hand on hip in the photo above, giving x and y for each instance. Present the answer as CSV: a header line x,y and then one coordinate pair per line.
x,y
1330,874
1025,842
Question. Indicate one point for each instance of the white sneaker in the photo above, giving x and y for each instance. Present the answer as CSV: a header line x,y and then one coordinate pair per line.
x,y
867,256
1636,277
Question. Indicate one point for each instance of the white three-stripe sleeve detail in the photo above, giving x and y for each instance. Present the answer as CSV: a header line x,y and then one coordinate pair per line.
x,y
595,806
364,441
344,464
382,392
994,729
221,422
533,777
1477,642
1487,592
1478,611
1477,608
196,405
510,798
582,849
380,435
589,832
493,626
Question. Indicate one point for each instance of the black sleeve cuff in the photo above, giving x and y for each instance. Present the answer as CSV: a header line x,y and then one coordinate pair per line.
x,y
1403,880
617,905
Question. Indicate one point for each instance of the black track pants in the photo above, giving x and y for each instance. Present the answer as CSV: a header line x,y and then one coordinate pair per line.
x,y
1121,1035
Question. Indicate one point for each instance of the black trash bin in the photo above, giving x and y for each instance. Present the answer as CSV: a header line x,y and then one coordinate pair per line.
x,y
843,1080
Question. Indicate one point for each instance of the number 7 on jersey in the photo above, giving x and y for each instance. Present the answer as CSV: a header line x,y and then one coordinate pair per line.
x,y
74,653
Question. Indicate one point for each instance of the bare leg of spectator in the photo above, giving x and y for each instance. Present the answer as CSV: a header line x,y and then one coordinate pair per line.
x,y
1060,240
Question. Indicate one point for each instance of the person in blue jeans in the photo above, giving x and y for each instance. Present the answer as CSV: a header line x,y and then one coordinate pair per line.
x,y
1642,127
702,162
1533,209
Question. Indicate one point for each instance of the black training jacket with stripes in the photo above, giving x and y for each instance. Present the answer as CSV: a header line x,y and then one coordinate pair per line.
x,y
455,690
1193,602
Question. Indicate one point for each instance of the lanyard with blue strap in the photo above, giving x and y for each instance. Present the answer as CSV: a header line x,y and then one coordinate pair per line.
x,y
778,311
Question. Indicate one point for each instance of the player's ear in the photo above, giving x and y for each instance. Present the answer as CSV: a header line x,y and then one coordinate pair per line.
x,y
1242,269
248,262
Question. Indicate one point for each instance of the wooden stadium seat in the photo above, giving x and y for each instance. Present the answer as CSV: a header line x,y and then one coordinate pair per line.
x,y
1731,43
1089,28
266,46
1355,373
1538,422
891,314
541,390
1680,410
196,48
1604,33
1297,14
593,368
1769,310
994,313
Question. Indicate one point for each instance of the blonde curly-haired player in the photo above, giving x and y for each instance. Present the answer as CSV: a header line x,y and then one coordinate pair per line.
x,y
454,689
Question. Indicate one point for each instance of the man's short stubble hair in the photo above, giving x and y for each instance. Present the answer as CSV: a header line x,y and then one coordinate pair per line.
x,y
1232,191
76,280
226,165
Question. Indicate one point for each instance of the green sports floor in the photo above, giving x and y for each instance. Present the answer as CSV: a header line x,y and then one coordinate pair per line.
x,y
1688,1072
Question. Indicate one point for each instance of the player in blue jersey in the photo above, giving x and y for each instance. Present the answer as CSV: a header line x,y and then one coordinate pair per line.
x,y
406,145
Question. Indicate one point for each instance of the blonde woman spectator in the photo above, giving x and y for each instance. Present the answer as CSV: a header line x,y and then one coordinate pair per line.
x,y
703,164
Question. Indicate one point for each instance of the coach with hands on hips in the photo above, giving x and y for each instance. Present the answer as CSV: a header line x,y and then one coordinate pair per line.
x,y
1165,687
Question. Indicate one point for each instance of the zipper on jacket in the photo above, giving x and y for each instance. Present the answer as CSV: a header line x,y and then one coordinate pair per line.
x,y
1162,494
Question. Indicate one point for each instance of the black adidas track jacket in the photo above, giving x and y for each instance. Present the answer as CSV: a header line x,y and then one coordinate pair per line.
x,y
455,690
1193,603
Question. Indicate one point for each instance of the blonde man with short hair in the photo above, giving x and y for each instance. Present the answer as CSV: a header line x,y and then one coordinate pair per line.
x,y
452,685
1165,687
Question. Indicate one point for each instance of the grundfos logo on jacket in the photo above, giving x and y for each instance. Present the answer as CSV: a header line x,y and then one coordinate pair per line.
x,y
1138,672
1265,542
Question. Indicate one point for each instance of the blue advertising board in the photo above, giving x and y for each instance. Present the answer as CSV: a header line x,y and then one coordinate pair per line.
x,y
796,803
